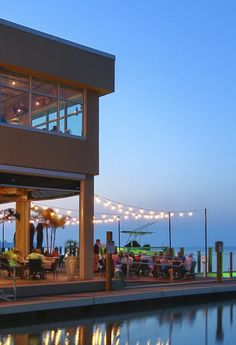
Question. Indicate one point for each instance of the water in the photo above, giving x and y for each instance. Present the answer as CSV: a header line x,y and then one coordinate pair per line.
x,y
207,324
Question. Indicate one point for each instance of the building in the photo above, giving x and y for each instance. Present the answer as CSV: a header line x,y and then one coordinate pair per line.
x,y
49,125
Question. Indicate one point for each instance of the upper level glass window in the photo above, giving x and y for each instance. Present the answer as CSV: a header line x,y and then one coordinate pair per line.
x,y
44,87
71,111
14,106
14,80
40,104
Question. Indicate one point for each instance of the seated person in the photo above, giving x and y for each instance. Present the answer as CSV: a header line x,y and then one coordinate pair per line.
x,y
15,259
188,263
181,257
36,254
55,252
177,269
165,265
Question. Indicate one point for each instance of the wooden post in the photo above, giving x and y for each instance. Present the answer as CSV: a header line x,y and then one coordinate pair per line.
x,y
219,267
198,261
108,261
209,259
170,236
206,240
231,264
219,250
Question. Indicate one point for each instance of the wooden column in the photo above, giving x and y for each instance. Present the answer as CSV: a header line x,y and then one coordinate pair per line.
x,y
86,229
22,226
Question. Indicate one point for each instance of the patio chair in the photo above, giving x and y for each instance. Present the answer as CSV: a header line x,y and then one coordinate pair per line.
x,y
144,267
61,262
36,269
53,268
134,270
191,274
4,266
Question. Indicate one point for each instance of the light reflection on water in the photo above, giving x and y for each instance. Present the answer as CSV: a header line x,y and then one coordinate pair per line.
x,y
206,324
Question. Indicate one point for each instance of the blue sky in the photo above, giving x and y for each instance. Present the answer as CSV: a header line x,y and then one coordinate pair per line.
x,y
167,134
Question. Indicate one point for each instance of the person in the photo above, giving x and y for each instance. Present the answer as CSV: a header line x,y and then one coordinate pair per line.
x,y
145,261
181,257
34,271
46,253
55,252
165,263
96,252
15,259
36,254
188,263
54,128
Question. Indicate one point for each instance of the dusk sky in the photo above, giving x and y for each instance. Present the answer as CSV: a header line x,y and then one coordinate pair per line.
x,y
167,134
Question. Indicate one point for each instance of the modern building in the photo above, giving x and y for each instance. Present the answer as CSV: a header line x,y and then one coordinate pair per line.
x,y
49,125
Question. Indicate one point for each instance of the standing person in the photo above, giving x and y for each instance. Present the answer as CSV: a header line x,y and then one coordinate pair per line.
x,y
96,252
188,263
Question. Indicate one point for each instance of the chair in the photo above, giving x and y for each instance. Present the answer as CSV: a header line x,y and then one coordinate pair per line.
x,y
144,267
102,266
36,269
191,274
134,270
61,262
53,268
4,266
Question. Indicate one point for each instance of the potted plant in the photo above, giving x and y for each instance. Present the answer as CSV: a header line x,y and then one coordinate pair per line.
x,y
71,259
47,219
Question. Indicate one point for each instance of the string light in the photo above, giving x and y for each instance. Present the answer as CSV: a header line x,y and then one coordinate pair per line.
x,y
123,211
139,213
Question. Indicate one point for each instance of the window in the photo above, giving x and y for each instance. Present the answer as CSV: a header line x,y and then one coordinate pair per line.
x,y
44,112
14,106
40,104
71,110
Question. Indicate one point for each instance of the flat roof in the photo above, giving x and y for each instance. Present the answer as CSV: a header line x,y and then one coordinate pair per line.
x,y
26,50
55,38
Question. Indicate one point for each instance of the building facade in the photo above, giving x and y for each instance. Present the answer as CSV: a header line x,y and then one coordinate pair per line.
x,y
49,125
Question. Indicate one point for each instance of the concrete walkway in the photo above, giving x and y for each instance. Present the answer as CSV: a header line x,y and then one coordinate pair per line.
x,y
159,293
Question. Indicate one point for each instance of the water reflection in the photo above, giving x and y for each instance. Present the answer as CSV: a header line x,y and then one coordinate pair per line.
x,y
204,324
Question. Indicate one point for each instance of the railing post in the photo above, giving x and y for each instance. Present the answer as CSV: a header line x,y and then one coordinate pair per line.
x,y
231,264
209,259
219,250
198,261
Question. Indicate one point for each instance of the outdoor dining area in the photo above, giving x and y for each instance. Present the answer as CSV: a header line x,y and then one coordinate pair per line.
x,y
157,266
35,266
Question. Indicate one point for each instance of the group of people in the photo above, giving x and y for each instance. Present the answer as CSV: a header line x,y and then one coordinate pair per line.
x,y
158,265
166,265
16,259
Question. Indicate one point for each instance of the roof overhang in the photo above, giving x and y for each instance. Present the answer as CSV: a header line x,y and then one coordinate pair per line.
x,y
20,183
